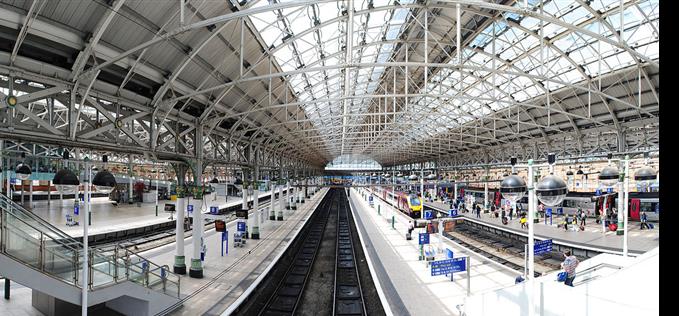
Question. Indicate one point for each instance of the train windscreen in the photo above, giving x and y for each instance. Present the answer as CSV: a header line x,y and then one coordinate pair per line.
x,y
414,201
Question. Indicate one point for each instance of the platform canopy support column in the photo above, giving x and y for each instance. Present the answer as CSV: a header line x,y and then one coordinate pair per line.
x,y
130,196
255,203
179,259
196,270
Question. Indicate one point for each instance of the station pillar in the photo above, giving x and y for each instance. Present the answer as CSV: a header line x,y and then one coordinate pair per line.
x,y
255,204
196,270
179,259
279,217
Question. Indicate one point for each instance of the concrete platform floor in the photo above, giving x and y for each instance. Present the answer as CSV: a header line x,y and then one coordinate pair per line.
x,y
407,282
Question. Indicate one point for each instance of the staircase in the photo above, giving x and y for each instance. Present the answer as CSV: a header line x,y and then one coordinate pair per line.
x,y
38,255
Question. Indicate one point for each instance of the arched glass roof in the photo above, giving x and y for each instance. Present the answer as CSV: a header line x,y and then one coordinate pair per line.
x,y
353,163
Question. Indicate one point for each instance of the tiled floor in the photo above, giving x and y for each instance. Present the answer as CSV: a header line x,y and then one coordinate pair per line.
x,y
407,282
19,303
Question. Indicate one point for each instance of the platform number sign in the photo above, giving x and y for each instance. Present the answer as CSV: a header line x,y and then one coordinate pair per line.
x,y
370,200
214,210
76,209
549,211
241,226
190,208
424,238
543,246
447,266
452,212
428,215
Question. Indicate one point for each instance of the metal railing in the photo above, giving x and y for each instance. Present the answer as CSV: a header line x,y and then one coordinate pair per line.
x,y
586,276
36,243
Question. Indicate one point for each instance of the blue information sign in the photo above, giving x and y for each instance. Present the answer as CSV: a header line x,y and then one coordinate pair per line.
x,y
214,210
241,226
543,246
447,266
452,212
76,209
190,208
549,211
559,210
610,190
449,253
598,192
424,238
428,215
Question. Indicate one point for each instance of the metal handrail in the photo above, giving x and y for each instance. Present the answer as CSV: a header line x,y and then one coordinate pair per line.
x,y
47,232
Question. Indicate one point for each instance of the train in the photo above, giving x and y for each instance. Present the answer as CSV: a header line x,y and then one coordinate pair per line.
x,y
408,203
648,202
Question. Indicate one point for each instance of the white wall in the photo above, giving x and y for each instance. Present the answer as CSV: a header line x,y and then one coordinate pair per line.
x,y
632,290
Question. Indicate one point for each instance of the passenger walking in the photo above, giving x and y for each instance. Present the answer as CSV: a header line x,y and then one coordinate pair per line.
x,y
569,264
583,217
644,220
478,212
510,213
524,221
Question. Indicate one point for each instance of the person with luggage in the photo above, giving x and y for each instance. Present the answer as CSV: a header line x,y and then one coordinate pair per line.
x,y
644,220
569,264
411,227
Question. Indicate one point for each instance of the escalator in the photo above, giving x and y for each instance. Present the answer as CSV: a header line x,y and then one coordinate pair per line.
x,y
39,256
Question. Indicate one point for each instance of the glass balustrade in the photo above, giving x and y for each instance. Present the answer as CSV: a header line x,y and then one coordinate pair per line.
x,y
34,242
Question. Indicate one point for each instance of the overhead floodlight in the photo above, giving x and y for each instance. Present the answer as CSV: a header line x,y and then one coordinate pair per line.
x,y
66,181
23,171
104,181
551,190
513,188
646,176
608,176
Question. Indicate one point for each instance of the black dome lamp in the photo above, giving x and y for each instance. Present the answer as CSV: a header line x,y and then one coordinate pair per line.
x,y
65,180
23,171
551,190
104,181
609,175
646,175
513,187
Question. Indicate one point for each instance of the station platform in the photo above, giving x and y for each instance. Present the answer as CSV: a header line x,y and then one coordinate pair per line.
x,y
639,241
107,217
226,277
406,281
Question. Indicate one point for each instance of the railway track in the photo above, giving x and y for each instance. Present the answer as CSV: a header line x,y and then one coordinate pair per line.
x,y
348,296
289,290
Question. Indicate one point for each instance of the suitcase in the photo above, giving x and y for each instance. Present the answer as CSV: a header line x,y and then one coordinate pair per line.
x,y
650,225
408,236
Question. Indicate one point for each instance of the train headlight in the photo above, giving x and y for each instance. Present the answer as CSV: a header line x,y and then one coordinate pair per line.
x,y
551,190
608,177
513,188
